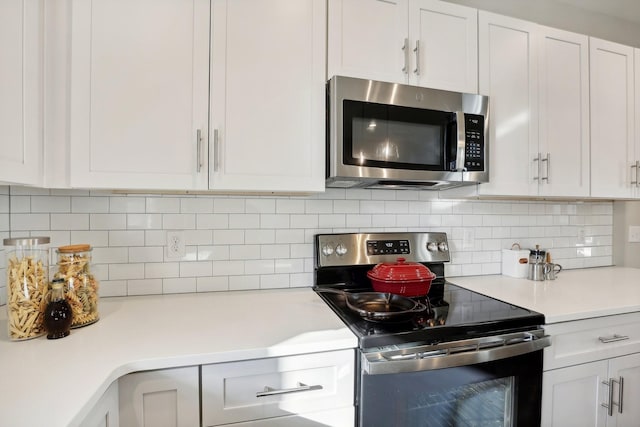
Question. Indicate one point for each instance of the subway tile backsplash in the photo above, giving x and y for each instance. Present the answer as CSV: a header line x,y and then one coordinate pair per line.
x,y
261,242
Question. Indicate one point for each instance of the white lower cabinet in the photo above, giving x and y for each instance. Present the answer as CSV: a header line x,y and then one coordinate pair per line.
x,y
105,413
164,398
592,373
310,389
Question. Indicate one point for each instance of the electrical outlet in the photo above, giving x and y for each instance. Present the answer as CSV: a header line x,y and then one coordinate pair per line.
x,y
175,244
634,234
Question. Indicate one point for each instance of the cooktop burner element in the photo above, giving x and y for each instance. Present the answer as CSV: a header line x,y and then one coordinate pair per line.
x,y
343,260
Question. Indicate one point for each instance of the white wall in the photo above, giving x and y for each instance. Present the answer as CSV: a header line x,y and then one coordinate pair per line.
x,y
562,15
266,241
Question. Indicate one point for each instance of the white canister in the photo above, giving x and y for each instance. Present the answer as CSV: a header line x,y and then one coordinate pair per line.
x,y
515,261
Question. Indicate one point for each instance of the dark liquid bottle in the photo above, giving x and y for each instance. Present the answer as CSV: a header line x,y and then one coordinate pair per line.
x,y
57,316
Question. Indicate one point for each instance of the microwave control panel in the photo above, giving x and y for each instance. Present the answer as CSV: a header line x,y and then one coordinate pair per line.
x,y
474,142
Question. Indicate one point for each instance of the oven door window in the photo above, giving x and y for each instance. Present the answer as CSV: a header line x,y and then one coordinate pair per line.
x,y
390,136
502,393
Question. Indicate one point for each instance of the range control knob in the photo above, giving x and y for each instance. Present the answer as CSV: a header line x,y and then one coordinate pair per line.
x,y
341,249
442,247
432,246
327,250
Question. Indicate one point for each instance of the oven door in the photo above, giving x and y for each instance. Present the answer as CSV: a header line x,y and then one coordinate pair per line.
x,y
445,386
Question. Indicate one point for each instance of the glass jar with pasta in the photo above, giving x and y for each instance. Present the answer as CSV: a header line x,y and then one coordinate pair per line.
x,y
81,287
27,286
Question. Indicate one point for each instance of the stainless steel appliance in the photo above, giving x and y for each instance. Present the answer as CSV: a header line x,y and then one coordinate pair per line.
x,y
465,360
387,135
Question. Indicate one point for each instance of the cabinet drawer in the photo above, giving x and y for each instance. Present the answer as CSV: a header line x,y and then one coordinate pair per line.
x,y
342,417
274,387
588,340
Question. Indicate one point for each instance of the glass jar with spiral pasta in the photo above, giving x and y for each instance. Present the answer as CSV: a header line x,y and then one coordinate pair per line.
x,y
27,285
81,287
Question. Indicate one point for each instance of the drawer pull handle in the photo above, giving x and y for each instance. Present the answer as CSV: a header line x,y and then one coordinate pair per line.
x,y
613,338
269,391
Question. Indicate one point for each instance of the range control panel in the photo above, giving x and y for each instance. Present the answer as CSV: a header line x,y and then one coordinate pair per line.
x,y
372,248
387,247
474,142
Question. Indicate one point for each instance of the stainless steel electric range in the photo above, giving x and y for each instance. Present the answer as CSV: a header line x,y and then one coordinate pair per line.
x,y
464,360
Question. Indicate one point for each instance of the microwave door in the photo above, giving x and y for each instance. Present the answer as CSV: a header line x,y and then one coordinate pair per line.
x,y
395,137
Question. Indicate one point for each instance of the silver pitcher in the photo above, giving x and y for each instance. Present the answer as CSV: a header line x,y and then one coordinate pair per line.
x,y
538,272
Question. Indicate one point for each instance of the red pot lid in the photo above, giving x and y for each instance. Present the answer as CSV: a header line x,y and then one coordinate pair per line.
x,y
400,271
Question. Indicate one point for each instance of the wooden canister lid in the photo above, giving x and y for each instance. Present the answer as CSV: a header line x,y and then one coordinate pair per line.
x,y
74,248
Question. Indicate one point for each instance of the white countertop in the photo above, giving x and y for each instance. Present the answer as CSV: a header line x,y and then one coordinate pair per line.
x,y
574,295
56,382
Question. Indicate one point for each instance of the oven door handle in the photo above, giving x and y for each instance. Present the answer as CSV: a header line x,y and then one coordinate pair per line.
x,y
451,355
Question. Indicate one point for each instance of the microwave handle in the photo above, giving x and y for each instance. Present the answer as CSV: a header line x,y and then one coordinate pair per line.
x,y
461,147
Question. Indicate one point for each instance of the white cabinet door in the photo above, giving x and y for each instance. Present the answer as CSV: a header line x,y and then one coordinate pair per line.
x,y
106,412
612,119
21,89
164,398
563,113
368,39
139,94
571,396
445,45
508,75
626,368
268,95
427,43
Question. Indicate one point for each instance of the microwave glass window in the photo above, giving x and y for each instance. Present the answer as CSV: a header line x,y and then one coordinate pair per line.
x,y
391,136
395,141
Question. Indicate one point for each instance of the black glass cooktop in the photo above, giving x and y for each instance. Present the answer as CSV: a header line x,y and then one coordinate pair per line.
x,y
452,313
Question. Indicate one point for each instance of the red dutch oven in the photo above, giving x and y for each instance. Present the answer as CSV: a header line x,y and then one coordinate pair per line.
x,y
410,279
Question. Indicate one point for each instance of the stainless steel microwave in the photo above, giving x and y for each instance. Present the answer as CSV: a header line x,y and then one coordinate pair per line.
x,y
388,135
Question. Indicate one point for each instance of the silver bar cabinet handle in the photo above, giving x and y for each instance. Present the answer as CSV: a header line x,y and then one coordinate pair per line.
x,y
537,159
548,160
405,50
613,338
199,149
635,166
216,147
268,391
417,52
609,404
620,393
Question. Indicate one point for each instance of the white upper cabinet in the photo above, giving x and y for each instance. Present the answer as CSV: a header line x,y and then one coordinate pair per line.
x,y
612,120
445,45
563,114
139,94
508,75
367,39
537,80
268,95
426,43
21,89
